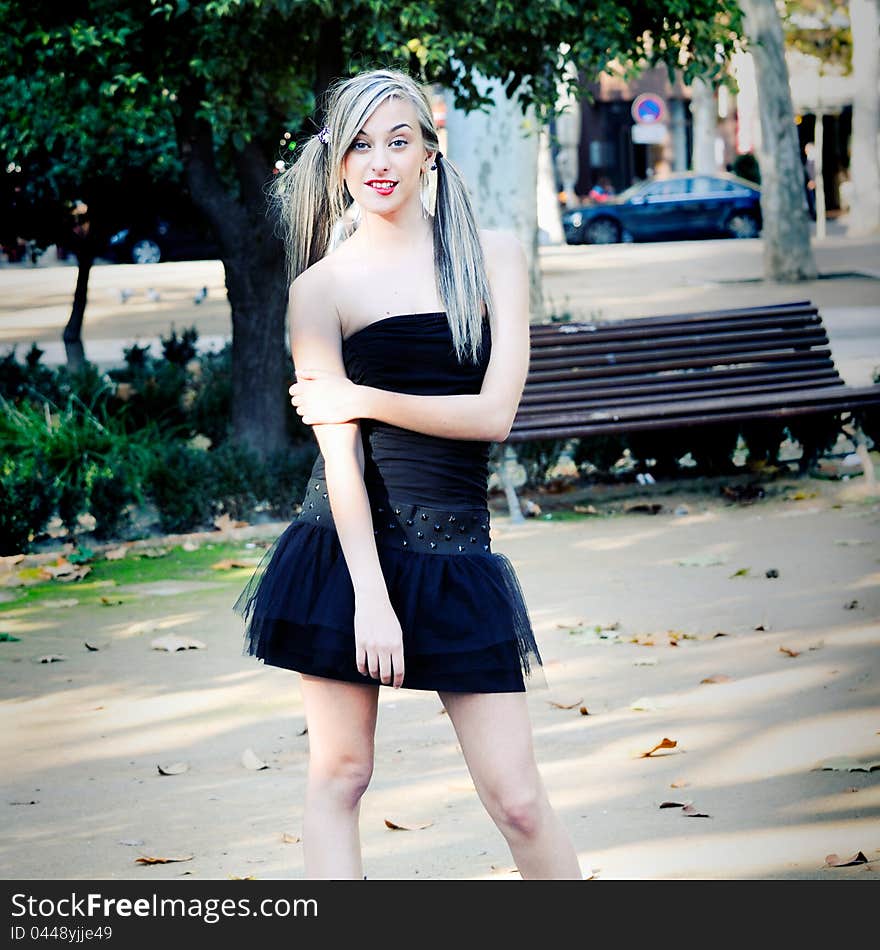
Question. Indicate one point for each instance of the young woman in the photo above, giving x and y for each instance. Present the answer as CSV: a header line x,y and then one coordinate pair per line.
x,y
409,334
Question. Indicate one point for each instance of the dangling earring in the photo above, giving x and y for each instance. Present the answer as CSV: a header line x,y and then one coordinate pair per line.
x,y
424,194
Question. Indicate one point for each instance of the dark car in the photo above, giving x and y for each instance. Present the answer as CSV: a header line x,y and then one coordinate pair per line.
x,y
160,239
687,205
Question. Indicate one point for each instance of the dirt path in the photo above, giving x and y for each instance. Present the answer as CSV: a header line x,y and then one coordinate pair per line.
x,y
82,738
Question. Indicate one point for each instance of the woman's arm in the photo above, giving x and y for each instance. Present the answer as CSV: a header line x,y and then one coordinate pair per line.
x,y
316,338
486,416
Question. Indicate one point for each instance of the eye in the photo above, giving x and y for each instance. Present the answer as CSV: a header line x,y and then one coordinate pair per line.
x,y
355,145
402,141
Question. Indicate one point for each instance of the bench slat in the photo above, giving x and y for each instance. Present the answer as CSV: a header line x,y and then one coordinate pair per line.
x,y
632,398
543,394
804,357
624,331
832,398
701,316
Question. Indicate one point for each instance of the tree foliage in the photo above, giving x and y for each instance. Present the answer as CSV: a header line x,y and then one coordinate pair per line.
x,y
207,91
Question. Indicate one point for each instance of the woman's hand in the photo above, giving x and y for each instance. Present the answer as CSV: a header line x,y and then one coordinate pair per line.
x,y
322,397
378,640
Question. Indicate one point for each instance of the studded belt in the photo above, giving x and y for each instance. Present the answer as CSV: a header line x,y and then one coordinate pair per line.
x,y
407,526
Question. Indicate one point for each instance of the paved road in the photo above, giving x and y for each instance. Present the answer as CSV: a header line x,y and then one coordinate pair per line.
x,y
610,282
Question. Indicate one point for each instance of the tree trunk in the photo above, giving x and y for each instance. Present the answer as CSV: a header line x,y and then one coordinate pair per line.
x,y
256,281
497,153
864,215
72,335
257,290
786,231
705,124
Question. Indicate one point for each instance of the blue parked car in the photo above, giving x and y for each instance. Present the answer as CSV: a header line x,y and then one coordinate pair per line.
x,y
685,205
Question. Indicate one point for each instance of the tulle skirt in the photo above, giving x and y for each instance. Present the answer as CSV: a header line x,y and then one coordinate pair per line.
x,y
460,606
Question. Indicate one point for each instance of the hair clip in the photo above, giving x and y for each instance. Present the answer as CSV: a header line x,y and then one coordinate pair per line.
x,y
324,134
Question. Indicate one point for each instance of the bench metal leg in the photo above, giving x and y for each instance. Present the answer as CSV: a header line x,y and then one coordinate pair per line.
x,y
861,442
507,465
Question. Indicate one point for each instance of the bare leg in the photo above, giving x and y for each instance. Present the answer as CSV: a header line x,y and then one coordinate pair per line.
x,y
496,738
341,719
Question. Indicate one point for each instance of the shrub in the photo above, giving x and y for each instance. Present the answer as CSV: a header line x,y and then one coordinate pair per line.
x,y
283,478
87,456
28,497
178,481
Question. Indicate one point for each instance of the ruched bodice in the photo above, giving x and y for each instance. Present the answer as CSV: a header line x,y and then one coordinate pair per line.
x,y
413,353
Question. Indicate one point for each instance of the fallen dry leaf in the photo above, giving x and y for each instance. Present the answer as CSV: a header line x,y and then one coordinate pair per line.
x,y
498,869
225,522
173,642
107,602
676,804
847,764
51,658
716,678
147,859
395,826
662,744
833,861
646,661
556,705
63,570
8,561
789,652
250,760
305,731
691,811
237,877
116,554
290,839
679,783
231,562
584,711
644,704
90,646
175,768
67,602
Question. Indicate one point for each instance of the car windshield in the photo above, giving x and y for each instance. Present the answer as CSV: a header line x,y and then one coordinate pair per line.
x,y
627,193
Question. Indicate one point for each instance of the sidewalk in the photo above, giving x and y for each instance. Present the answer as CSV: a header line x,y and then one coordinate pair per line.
x,y
629,612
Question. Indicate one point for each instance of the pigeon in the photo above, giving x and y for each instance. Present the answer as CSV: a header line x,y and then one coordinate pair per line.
x,y
124,294
153,294
200,296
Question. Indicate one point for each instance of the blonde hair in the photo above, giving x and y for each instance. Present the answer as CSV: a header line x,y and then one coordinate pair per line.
x,y
311,200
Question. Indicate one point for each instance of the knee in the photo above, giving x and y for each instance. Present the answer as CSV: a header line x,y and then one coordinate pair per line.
x,y
342,778
519,810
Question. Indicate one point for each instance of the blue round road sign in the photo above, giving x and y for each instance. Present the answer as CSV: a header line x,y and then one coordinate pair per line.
x,y
648,109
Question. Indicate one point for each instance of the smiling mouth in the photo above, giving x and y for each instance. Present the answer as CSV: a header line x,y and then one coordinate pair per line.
x,y
382,186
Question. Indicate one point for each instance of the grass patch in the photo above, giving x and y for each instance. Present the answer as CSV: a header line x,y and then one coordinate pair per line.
x,y
106,576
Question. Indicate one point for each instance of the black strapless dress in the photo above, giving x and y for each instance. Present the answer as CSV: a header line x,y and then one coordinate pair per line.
x,y
465,623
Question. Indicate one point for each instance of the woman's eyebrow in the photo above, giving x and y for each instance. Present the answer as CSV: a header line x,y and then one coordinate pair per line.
x,y
399,125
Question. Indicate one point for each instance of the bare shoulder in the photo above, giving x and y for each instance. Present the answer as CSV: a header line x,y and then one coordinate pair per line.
x,y
501,247
312,294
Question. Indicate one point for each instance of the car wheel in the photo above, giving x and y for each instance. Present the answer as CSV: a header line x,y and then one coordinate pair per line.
x,y
742,225
145,251
602,231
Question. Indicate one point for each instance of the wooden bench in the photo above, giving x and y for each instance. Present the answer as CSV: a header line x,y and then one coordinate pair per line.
x,y
683,370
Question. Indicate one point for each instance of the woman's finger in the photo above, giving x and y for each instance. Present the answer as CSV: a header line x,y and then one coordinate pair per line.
x,y
385,667
397,663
